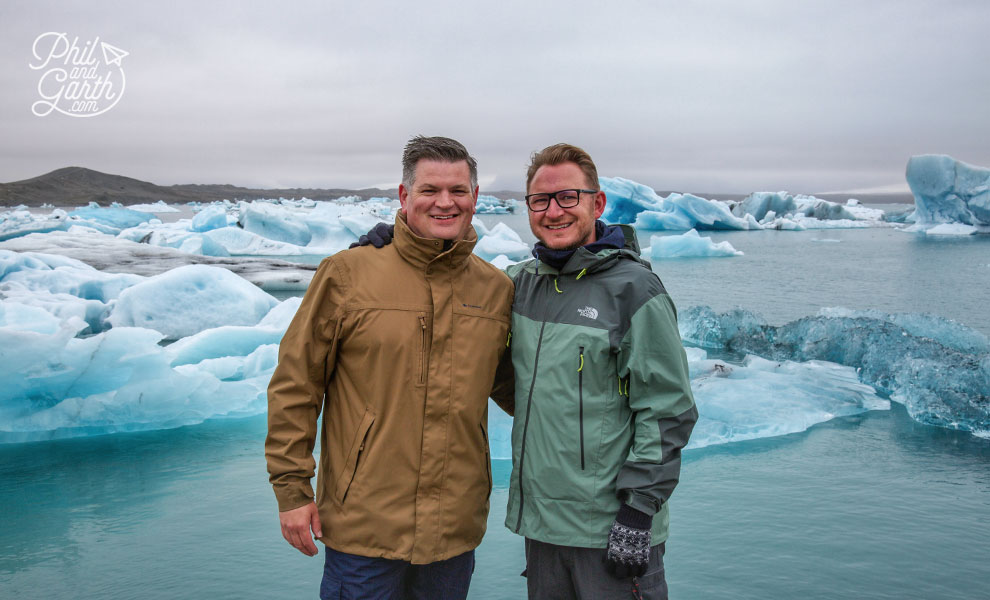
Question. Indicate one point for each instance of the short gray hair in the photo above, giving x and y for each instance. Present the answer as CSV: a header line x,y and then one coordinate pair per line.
x,y
441,149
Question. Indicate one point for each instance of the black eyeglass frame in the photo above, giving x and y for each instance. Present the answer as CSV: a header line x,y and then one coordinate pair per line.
x,y
552,196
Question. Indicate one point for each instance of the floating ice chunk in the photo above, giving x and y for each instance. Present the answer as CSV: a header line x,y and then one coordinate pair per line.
x,y
211,217
502,261
109,253
17,223
759,204
688,245
625,199
274,222
238,242
945,331
359,223
229,340
155,208
952,229
280,316
939,371
764,398
948,191
492,205
119,380
123,379
501,240
21,317
187,300
110,220
51,274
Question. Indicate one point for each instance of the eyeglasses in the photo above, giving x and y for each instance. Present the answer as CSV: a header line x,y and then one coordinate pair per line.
x,y
565,199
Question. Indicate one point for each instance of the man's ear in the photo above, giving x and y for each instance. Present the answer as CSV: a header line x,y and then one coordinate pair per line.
x,y
599,203
404,195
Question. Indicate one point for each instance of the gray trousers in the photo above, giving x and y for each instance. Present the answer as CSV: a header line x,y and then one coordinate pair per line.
x,y
568,573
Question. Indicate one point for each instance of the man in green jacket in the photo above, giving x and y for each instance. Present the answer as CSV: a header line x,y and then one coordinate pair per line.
x,y
603,402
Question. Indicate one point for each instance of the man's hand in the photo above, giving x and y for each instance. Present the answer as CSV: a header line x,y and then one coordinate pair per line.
x,y
628,552
378,236
296,525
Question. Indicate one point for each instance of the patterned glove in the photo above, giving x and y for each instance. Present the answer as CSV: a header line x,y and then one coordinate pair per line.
x,y
379,236
629,543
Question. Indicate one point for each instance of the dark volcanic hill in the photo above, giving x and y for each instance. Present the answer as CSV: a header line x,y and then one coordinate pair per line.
x,y
78,186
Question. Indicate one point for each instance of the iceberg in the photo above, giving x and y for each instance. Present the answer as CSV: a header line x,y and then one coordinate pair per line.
x,y
939,370
948,191
274,222
159,207
190,299
112,254
110,220
16,223
211,217
491,205
501,240
631,202
687,245
58,384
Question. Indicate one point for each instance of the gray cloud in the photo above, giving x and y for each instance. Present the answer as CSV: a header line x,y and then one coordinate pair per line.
x,y
708,97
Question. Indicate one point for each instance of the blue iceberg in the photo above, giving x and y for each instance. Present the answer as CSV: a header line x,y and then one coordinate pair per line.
x,y
948,191
687,245
631,202
939,370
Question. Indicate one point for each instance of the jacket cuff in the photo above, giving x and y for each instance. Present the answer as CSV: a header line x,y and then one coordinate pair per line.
x,y
291,497
630,517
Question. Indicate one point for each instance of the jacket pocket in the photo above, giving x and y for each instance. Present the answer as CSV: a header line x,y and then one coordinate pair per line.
x,y
581,402
422,349
488,458
353,454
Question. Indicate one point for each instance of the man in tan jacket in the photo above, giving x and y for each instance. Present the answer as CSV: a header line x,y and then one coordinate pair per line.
x,y
398,348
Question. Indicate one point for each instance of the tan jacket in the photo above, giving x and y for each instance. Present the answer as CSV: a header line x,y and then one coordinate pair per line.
x,y
399,348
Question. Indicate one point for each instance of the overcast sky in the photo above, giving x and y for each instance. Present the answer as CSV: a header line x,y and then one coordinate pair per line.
x,y
726,96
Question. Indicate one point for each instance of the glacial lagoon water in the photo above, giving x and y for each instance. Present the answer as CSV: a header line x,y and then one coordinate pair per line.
x,y
870,506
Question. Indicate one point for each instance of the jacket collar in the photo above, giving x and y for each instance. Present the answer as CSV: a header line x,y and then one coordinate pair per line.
x,y
420,252
584,259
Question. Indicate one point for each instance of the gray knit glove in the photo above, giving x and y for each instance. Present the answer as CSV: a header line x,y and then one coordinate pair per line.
x,y
628,552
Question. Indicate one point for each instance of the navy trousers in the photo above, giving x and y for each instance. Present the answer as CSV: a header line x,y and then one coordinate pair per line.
x,y
352,577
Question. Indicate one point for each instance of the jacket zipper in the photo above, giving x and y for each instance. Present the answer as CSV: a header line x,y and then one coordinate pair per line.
x,y
581,403
529,409
422,362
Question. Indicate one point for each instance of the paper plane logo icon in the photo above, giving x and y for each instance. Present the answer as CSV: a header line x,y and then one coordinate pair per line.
x,y
112,54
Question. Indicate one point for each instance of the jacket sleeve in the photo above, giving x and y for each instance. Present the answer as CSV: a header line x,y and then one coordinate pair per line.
x,y
306,357
504,386
657,387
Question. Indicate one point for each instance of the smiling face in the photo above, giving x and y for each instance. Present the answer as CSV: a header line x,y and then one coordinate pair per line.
x,y
565,228
441,201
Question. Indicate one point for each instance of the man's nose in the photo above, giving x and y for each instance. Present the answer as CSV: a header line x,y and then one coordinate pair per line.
x,y
554,210
444,199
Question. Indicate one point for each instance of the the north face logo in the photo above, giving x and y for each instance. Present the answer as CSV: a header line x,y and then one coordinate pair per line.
x,y
589,312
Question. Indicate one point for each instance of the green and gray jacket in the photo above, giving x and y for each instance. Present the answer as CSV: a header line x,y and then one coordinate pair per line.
x,y
603,401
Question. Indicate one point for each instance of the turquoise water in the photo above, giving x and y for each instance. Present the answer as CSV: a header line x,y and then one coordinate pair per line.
x,y
873,506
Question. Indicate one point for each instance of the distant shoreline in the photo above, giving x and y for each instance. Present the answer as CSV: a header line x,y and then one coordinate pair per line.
x,y
78,186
